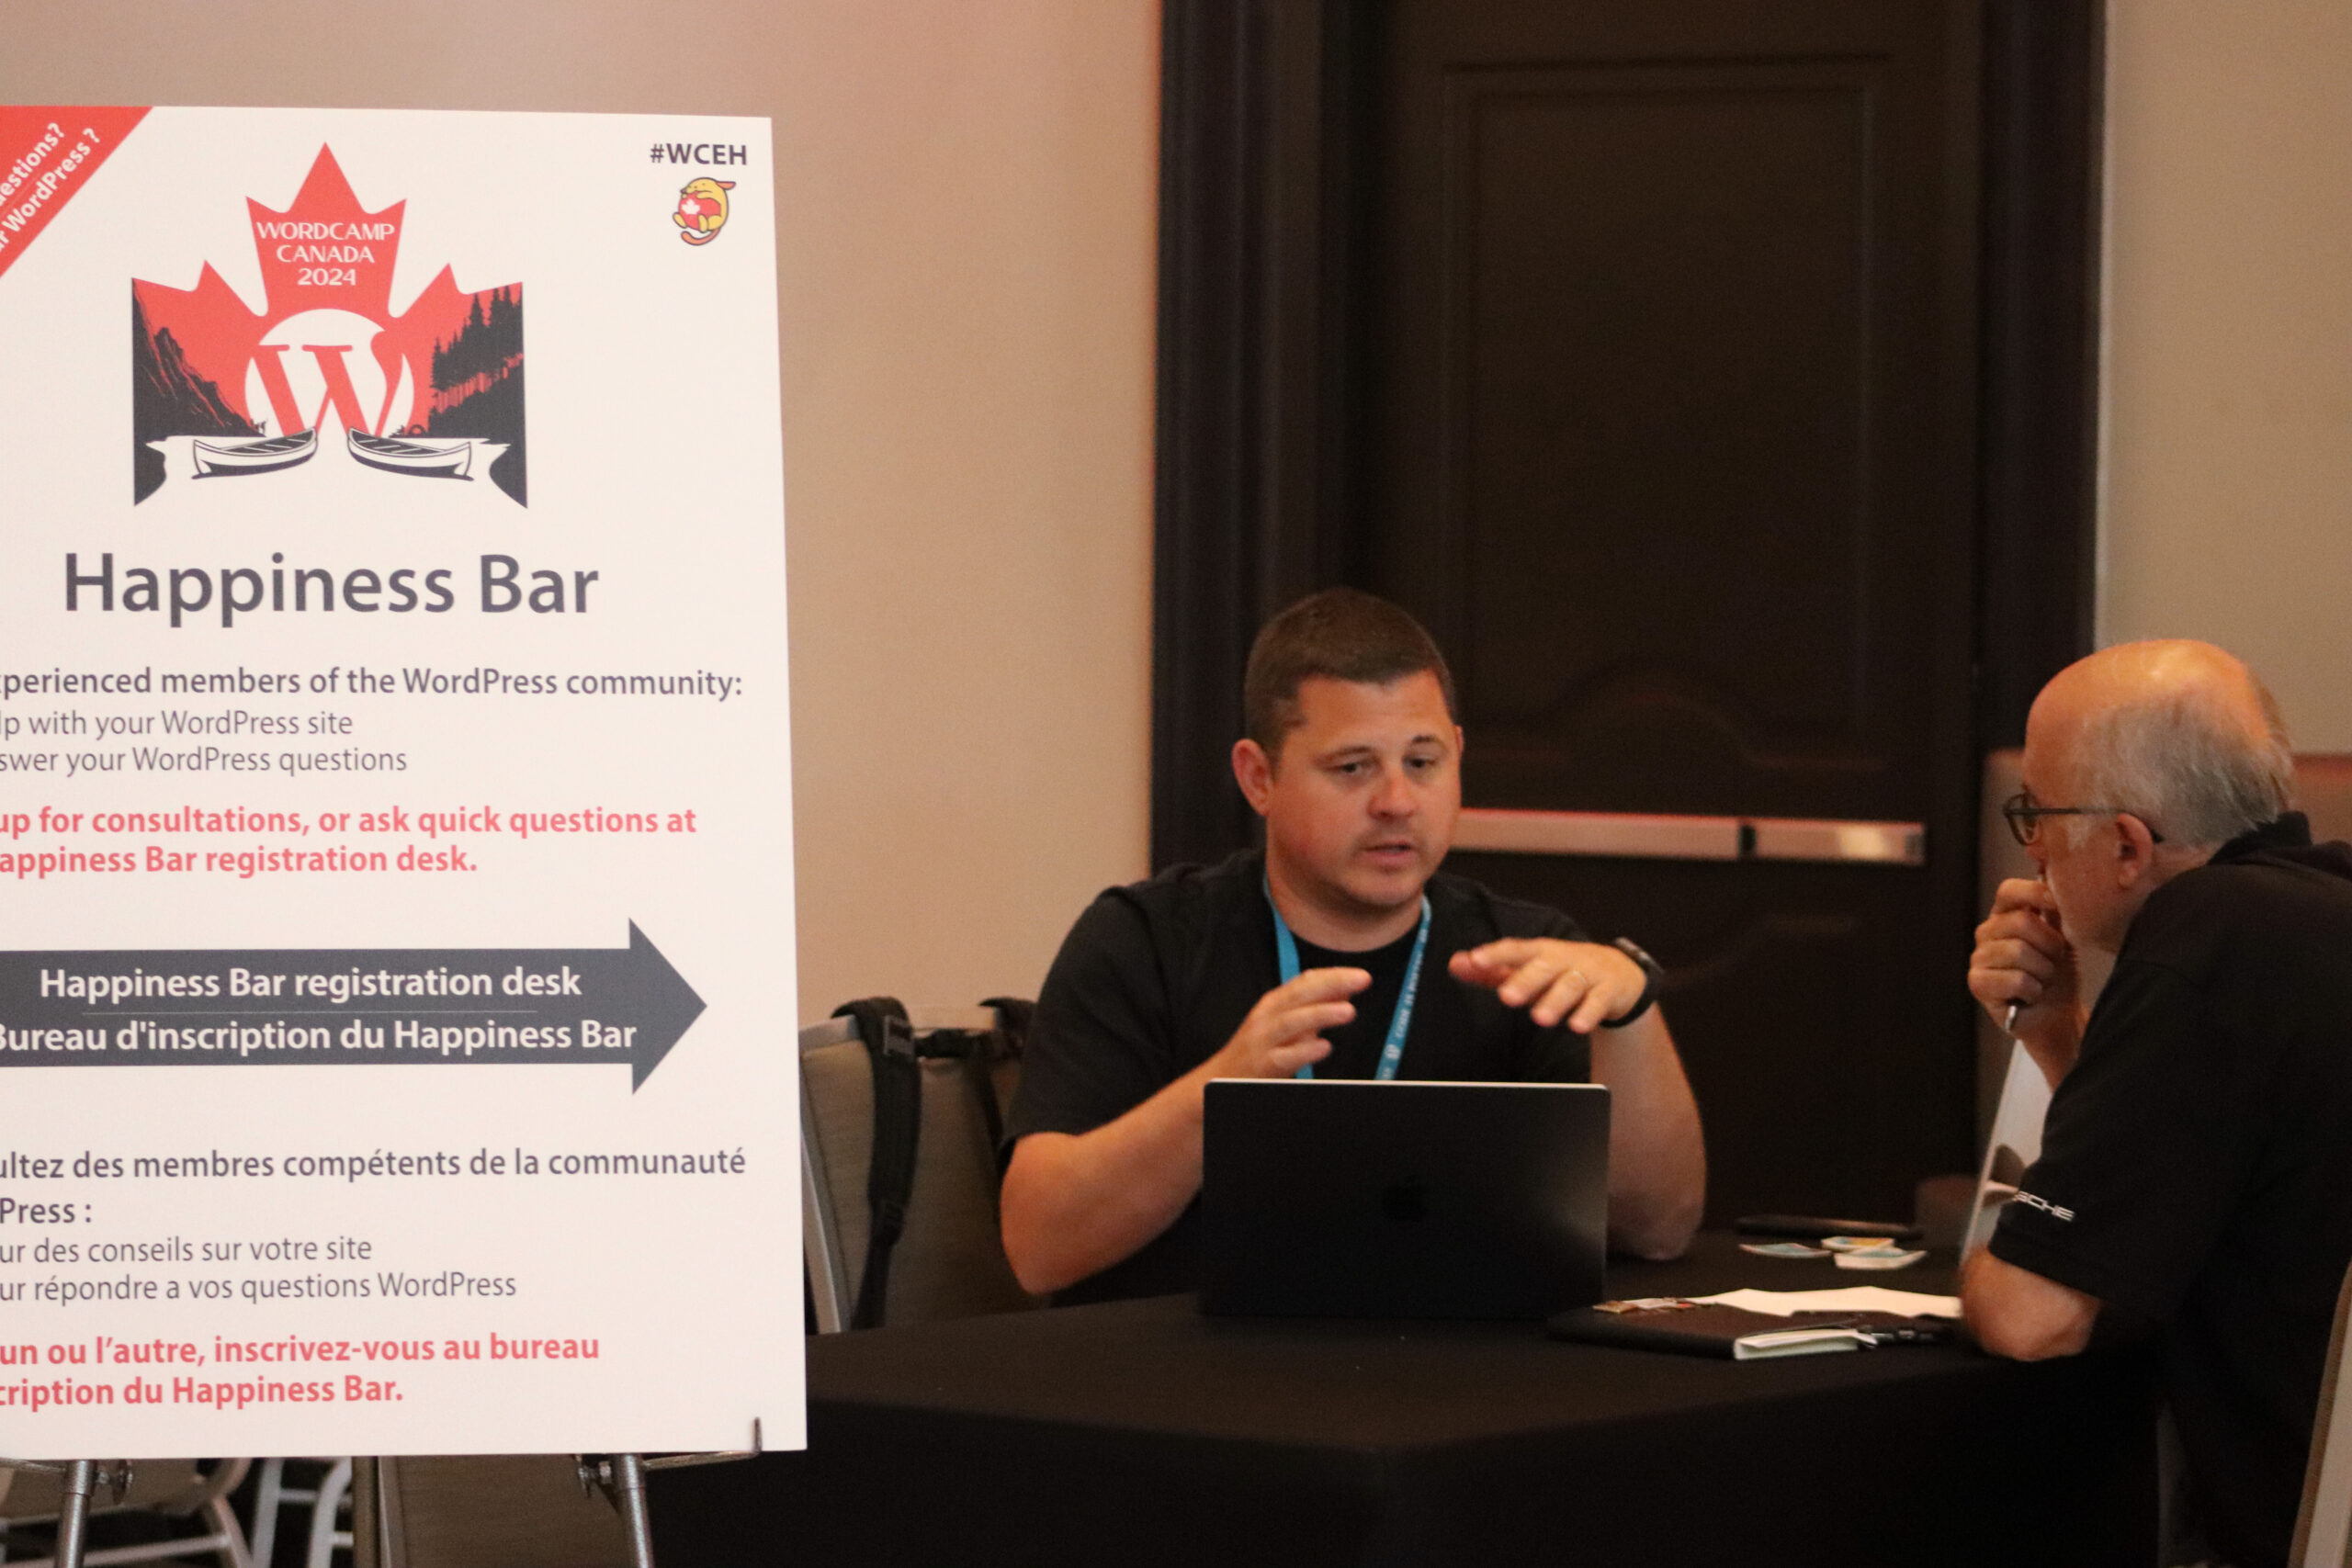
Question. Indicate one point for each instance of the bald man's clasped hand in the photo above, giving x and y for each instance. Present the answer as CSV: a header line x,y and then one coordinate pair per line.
x,y
2023,958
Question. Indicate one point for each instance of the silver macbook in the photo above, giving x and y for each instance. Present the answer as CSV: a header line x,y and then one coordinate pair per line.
x,y
1335,1198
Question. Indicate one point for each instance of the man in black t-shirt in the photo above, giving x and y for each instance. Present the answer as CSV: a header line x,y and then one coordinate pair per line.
x,y
1338,948
2196,1169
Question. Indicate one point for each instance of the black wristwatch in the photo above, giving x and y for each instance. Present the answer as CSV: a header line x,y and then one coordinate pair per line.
x,y
1653,977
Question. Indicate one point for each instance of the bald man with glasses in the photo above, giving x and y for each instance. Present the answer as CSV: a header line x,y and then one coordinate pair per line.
x,y
2196,1172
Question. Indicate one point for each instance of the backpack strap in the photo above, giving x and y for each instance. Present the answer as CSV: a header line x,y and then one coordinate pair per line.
x,y
897,1127
1013,1016
1004,1045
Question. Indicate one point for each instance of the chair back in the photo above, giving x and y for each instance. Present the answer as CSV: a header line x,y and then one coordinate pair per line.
x,y
949,1261
482,1511
2323,1526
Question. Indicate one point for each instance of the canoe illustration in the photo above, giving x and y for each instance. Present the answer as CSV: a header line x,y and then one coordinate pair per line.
x,y
219,459
431,459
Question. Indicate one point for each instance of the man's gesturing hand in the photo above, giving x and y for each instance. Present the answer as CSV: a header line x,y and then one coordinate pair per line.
x,y
1580,981
1284,1032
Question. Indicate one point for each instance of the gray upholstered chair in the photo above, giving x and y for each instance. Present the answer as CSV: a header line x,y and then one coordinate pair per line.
x,y
481,1511
950,1260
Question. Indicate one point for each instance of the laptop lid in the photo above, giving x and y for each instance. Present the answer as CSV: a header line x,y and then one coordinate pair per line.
x,y
1343,1198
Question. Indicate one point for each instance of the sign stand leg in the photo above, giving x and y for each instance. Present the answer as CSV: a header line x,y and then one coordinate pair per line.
x,y
621,1478
78,1479
81,1478
629,1482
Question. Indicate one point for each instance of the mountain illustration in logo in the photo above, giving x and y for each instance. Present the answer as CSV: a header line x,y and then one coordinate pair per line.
x,y
325,372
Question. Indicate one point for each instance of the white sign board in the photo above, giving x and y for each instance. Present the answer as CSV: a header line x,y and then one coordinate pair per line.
x,y
396,955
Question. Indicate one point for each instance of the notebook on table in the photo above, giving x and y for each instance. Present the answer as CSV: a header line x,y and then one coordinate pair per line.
x,y
1705,1328
1356,1199
1754,1325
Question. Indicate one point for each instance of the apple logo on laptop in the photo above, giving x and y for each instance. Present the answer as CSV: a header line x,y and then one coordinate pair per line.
x,y
1405,1200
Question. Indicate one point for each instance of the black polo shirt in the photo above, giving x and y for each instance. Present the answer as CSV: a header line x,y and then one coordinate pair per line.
x,y
2196,1169
1156,976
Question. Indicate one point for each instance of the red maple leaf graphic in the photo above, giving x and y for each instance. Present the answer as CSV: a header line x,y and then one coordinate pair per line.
x,y
325,253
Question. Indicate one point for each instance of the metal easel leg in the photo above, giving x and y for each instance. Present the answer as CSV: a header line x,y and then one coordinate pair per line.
x,y
80,1479
628,1482
621,1478
76,1480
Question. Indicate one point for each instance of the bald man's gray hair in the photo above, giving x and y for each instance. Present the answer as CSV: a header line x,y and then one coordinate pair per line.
x,y
2185,762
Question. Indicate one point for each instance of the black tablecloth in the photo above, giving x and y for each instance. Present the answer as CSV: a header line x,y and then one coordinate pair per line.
x,y
1141,1432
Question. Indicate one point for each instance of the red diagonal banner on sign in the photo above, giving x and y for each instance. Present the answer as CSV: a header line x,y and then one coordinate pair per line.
x,y
47,155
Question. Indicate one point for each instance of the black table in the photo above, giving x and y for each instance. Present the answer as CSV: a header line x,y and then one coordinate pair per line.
x,y
1140,1432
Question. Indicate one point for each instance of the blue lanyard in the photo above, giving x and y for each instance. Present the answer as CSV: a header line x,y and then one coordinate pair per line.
x,y
1392,1051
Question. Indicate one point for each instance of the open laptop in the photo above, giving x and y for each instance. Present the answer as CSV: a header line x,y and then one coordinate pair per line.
x,y
1338,1198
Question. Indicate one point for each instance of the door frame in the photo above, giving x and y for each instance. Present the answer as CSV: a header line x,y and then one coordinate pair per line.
x,y
1264,104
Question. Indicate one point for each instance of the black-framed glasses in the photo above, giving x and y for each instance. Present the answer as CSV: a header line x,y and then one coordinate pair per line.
x,y
2025,817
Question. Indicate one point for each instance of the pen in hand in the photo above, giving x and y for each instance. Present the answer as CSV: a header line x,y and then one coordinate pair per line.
x,y
2010,1021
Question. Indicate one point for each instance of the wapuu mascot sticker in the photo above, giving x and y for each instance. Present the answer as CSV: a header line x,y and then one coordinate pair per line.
x,y
701,209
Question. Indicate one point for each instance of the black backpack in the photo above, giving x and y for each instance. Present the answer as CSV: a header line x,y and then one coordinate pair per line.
x,y
990,1059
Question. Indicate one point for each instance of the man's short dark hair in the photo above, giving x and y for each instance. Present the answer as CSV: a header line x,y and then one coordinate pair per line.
x,y
1342,634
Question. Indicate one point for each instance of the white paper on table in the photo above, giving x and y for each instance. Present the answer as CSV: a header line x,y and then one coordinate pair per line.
x,y
1852,1298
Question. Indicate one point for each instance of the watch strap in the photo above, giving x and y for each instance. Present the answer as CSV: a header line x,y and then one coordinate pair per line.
x,y
1653,977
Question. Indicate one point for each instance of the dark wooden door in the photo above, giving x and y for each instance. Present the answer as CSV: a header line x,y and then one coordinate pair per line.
x,y
1661,354
1670,441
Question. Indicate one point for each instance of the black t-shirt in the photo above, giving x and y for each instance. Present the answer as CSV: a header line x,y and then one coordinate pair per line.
x,y
2196,1167
1155,977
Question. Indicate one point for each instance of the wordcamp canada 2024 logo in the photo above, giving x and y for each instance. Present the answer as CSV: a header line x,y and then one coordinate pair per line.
x,y
325,373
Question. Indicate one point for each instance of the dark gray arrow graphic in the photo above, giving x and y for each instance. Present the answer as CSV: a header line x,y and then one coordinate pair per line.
x,y
331,1007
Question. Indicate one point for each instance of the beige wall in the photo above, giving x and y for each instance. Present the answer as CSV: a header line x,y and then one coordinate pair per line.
x,y
2227,511
966,218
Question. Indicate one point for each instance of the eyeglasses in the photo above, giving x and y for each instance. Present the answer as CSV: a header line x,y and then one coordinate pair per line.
x,y
2025,817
